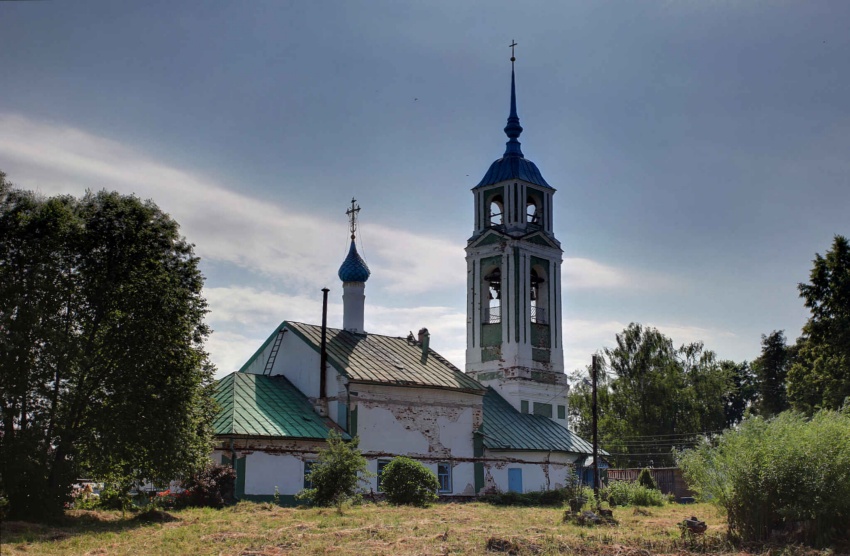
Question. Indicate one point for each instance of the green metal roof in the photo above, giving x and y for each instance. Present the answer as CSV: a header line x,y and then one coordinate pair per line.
x,y
259,405
505,428
382,359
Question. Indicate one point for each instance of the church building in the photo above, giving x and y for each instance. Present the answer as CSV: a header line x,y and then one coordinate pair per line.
x,y
499,426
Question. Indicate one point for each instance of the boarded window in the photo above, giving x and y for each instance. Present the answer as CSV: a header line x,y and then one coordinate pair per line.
x,y
523,406
444,474
544,409
562,412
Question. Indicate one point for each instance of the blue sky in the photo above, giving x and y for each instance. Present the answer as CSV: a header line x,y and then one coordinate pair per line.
x,y
700,149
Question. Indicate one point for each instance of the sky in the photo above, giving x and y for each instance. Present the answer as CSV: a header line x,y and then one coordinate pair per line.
x,y
700,150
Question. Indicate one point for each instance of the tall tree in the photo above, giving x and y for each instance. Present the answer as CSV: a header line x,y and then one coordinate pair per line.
x,y
820,376
653,397
771,369
101,347
742,393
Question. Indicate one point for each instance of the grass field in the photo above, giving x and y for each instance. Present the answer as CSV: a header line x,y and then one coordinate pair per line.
x,y
473,528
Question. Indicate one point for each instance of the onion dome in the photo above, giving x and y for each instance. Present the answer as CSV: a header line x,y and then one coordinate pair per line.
x,y
513,164
353,268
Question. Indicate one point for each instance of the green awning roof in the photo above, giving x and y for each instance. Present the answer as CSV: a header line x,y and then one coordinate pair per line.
x,y
505,428
258,405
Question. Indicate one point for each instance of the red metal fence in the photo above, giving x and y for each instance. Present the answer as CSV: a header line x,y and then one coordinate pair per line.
x,y
668,479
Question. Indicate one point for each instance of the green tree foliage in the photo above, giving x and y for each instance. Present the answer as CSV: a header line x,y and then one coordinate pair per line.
x,y
786,471
771,369
337,473
101,347
407,482
742,393
653,397
646,479
820,375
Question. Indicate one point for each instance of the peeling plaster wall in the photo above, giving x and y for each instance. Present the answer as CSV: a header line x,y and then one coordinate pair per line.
x,y
540,470
264,471
423,423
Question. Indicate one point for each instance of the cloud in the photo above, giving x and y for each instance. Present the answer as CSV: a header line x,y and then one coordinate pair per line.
x,y
224,225
582,273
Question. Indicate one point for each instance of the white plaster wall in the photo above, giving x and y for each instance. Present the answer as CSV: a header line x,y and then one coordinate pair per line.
x,y
264,471
535,469
416,421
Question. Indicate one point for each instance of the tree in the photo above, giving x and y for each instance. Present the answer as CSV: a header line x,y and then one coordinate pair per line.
x,y
771,370
408,482
653,397
742,393
820,376
337,474
101,347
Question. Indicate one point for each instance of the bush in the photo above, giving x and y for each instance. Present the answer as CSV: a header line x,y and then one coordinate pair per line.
x,y
788,473
211,487
646,479
408,482
556,497
336,474
628,493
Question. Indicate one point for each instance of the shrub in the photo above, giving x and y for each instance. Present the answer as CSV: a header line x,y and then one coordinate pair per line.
x,y
336,474
787,473
408,482
556,497
646,479
628,493
212,487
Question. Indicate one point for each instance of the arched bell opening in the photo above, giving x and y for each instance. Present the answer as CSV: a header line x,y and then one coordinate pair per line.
x,y
539,295
533,211
496,211
492,284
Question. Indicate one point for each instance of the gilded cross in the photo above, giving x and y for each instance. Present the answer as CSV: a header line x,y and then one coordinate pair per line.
x,y
352,216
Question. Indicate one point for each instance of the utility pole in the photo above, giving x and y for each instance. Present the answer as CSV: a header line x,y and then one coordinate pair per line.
x,y
593,372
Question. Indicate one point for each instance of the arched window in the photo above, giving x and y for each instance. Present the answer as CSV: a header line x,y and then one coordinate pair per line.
x,y
533,211
496,211
539,296
493,287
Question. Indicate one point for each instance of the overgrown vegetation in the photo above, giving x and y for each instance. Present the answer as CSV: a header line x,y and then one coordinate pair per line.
x,y
631,493
555,498
211,487
407,482
337,474
787,474
646,479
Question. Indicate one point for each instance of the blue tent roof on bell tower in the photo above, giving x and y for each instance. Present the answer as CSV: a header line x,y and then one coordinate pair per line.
x,y
353,268
513,164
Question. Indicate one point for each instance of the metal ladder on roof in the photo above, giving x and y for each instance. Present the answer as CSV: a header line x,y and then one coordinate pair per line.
x,y
273,354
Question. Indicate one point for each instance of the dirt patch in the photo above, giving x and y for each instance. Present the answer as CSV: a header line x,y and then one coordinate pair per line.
x,y
511,546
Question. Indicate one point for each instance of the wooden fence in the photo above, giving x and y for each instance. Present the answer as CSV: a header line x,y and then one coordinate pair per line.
x,y
668,479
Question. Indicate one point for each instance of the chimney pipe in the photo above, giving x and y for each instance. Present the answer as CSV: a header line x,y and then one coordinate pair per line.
x,y
424,341
323,353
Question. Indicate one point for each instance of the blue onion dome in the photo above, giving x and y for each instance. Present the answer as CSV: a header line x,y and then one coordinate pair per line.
x,y
353,268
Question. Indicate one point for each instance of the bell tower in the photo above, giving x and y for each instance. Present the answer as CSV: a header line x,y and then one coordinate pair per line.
x,y
514,337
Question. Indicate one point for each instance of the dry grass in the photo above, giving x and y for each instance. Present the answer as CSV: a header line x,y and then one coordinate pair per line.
x,y
265,530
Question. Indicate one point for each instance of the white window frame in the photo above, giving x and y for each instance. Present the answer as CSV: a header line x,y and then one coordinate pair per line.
x,y
448,476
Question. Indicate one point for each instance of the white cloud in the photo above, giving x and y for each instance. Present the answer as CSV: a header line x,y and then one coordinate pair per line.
x,y
582,273
224,225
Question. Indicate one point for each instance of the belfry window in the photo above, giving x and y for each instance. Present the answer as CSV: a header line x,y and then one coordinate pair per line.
x,y
496,211
539,297
493,283
532,211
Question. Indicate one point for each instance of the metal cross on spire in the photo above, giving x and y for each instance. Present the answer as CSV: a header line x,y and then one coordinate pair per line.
x,y
352,216
513,56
